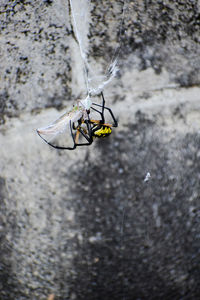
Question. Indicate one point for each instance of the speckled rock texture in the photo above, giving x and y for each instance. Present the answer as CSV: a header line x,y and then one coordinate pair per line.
x,y
84,224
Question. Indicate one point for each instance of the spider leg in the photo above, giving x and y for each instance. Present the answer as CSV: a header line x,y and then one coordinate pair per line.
x,y
115,124
102,116
103,103
104,107
87,137
59,147
77,136
95,121
98,122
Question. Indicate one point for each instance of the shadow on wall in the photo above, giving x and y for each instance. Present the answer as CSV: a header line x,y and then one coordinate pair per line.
x,y
139,240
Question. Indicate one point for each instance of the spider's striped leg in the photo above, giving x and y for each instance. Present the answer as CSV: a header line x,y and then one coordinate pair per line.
x,y
77,136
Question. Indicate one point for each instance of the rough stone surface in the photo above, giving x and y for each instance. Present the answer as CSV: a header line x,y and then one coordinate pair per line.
x,y
84,224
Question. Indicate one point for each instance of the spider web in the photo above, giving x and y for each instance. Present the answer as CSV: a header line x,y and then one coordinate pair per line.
x,y
96,76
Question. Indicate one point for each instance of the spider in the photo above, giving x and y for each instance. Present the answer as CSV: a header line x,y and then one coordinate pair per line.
x,y
87,127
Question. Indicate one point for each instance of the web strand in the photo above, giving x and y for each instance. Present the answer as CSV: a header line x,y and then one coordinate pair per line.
x,y
95,83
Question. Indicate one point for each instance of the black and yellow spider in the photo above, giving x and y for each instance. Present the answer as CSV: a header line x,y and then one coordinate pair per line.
x,y
86,127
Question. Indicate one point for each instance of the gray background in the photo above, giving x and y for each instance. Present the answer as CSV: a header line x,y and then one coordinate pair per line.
x,y
83,224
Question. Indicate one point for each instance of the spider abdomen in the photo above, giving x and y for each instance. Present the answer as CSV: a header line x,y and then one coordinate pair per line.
x,y
101,131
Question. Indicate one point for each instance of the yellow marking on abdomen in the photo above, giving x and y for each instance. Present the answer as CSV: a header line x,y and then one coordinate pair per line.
x,y
103,132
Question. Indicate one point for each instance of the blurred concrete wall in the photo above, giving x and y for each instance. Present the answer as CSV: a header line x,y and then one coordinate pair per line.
x,y
83,224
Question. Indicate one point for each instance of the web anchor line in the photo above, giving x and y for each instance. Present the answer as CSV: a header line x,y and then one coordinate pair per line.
x,y
81,21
